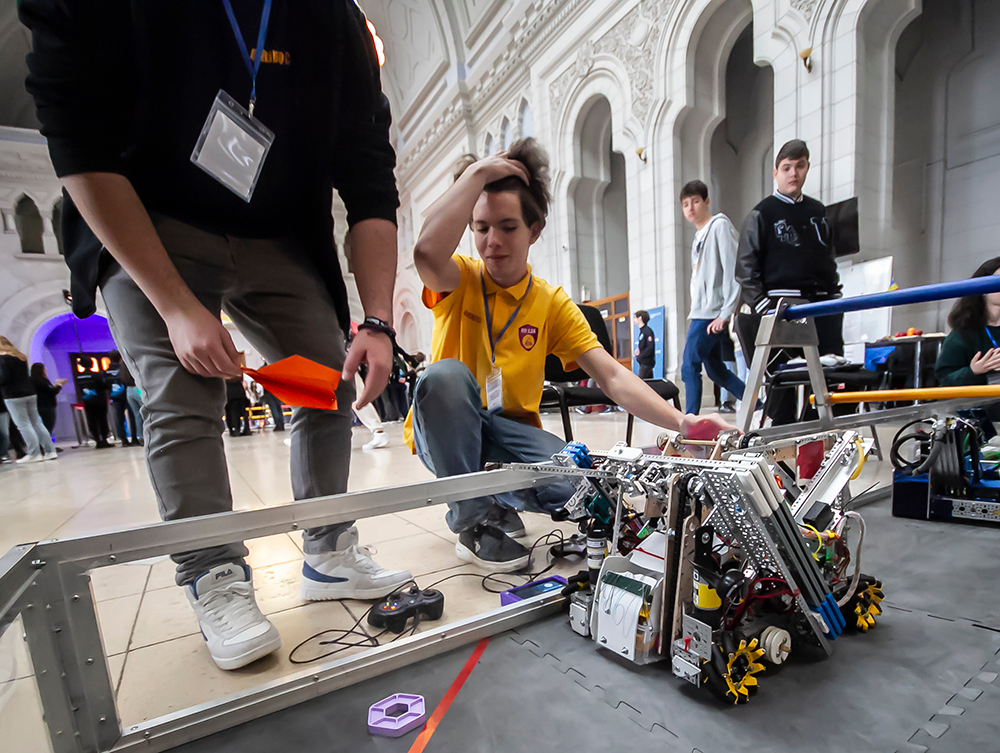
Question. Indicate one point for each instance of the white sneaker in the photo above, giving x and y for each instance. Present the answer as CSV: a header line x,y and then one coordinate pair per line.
x,y
379,439
231,623
287,441
348,573
51,455
31,459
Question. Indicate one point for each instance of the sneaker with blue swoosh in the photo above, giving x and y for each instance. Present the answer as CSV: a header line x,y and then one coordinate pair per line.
x,y
234,628
348,573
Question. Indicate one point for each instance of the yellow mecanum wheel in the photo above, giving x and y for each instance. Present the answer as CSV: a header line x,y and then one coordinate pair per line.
x,y
740,671
866,607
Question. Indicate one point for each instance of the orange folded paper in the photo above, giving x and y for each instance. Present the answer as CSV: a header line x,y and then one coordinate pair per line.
x,y
300,382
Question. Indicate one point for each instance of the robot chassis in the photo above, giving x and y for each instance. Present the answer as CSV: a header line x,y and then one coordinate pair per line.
x,y
722,566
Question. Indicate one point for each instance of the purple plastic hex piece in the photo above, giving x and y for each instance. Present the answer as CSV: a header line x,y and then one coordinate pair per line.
x,y
396,715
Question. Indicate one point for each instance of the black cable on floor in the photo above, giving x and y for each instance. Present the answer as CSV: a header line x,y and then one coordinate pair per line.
x,y
365,639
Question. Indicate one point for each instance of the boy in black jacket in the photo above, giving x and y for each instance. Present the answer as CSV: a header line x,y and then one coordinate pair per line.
x,y
156,114
786,251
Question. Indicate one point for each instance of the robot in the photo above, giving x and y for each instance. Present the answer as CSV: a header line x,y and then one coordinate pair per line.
x,y
720,566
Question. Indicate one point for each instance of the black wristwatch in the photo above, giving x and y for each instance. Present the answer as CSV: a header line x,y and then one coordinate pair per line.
x,y
375,324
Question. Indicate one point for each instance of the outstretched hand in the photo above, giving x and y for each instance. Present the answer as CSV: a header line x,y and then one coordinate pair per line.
x,y
704,427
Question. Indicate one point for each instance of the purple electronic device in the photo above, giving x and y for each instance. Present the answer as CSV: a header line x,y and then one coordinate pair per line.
x,y
534,588
396,715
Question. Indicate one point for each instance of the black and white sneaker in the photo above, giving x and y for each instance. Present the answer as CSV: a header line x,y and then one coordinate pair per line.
x,y
508,521
492,550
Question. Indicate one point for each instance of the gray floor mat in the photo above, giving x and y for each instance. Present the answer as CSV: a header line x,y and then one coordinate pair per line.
x,y
924,680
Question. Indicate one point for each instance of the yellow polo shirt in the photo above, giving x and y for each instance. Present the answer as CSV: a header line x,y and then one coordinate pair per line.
x,y
548,322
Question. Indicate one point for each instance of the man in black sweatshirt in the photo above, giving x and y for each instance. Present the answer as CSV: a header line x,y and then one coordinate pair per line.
x,y
645,345
786,251
198,142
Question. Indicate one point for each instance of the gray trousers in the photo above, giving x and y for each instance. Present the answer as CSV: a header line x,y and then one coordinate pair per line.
x,y
453,434
273,293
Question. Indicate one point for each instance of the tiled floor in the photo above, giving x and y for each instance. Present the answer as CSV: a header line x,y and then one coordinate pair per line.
x,y
156,656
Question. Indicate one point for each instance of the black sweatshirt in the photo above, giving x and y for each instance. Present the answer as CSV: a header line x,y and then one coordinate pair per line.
x,y
647,347
14,379
46,392
125,86
785,251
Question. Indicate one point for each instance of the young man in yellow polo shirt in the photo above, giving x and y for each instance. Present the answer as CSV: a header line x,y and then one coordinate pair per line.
x,y
494,324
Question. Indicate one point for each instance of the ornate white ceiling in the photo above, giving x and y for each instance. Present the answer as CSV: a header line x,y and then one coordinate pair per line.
x,y
424,40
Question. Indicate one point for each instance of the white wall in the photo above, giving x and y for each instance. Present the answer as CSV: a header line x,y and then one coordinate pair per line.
x,y
946,166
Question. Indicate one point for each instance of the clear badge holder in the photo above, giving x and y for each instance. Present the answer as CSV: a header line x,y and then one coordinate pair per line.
x,y
232,146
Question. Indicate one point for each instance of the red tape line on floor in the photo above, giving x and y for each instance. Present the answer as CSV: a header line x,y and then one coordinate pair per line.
x,y
442,708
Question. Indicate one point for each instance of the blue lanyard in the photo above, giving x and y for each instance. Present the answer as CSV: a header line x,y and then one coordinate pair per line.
x,y
989,335
254,65
489,316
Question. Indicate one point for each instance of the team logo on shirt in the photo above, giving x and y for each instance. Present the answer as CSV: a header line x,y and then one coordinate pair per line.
x,y
528,336
786,233
822,229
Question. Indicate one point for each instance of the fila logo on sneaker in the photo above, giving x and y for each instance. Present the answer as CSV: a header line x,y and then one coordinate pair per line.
x,y
224,574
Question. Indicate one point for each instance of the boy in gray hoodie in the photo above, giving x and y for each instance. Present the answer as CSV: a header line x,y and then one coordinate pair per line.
x,y
714,296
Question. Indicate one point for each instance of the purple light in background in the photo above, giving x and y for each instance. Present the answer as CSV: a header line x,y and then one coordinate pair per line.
x,y
51,345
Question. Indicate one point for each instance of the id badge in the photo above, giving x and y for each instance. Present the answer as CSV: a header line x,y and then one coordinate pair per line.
x,y
494,391
232,146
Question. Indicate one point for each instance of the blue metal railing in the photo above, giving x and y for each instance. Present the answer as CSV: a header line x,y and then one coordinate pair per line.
x,y
937,292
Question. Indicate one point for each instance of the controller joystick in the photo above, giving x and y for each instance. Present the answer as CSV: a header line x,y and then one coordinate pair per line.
x,y
395,611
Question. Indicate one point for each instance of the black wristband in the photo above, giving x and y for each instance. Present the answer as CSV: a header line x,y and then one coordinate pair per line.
x,y
377,325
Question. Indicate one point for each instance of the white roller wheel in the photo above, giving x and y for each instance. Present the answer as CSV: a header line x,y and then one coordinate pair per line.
x,y
777,644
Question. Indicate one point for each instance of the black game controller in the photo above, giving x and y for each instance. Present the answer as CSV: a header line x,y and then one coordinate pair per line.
x,y
397,608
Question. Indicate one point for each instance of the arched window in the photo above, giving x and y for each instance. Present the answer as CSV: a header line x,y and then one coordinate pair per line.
x,y
28,222
526,125
506,136
488,148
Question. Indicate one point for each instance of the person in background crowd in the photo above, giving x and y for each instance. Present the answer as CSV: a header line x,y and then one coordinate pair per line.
x,y
46,392
134,397
95,406
370,419
237,405
397,383
645,347
970,353
276,410
120,379
714,297
18,393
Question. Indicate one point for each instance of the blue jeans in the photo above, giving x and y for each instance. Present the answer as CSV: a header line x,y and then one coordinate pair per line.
x,y
453,434
704,348
135,403
24,412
